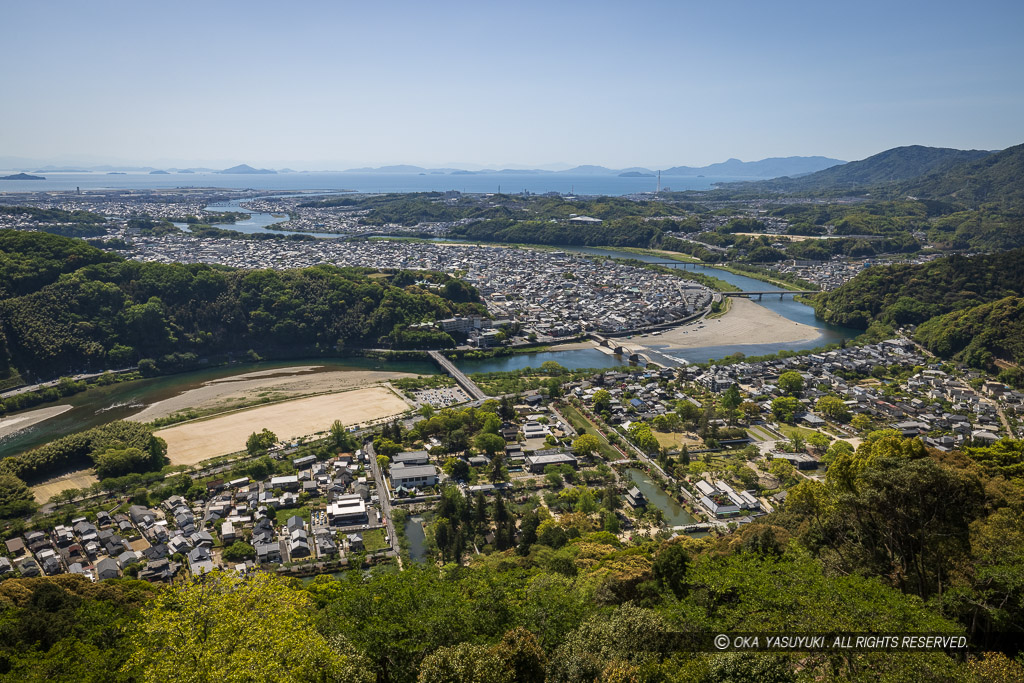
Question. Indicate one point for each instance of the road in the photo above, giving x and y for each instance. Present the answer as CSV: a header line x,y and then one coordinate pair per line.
x,y
385,499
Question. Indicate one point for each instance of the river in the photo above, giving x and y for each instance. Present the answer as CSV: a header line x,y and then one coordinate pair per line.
x,y
787,307
100,405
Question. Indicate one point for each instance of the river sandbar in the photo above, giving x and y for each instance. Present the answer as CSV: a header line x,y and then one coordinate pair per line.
x,y
15,423
234,392
745,323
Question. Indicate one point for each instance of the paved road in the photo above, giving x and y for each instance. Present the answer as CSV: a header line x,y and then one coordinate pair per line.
x,y
385,499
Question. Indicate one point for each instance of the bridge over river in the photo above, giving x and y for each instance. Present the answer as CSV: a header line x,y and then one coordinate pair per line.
x,y
460,378
780,292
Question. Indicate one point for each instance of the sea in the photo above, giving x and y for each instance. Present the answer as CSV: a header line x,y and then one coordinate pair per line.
x,y
509,183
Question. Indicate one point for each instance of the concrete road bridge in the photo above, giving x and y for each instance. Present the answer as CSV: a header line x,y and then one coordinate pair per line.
x,y
460,378
780,292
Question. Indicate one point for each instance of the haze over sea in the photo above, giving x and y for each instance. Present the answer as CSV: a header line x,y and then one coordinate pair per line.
x,y
369,182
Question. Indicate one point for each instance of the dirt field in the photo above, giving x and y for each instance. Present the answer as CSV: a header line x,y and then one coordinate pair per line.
x,y
73,480
194,442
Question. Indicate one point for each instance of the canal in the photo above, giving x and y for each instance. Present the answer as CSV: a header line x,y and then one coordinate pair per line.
x,y
675,514
414,533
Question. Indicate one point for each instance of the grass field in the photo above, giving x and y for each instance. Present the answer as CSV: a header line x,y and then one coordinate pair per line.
x,y
194,442
281,517
374,540
581,424
802,432
672,440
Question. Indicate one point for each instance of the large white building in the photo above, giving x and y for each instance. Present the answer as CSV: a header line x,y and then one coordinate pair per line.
x,y
413,476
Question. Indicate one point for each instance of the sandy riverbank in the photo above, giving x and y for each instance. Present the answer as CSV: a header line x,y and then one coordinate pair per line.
x,y
745,323
574,346
233,392
10,425
193,442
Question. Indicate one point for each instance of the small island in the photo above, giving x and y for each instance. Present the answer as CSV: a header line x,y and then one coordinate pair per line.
x,y
22,176
635,174
159,172
245,169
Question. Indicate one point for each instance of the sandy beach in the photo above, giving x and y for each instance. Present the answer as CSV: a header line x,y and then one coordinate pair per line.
x,y
745,323
231,392
196,441
10,425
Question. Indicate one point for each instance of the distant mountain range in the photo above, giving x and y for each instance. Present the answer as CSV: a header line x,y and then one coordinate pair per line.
x,y
883,169
765,168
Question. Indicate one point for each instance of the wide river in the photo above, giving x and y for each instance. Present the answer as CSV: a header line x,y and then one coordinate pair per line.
x,y
104,404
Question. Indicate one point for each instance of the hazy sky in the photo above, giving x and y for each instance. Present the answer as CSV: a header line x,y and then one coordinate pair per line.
x,y
318,85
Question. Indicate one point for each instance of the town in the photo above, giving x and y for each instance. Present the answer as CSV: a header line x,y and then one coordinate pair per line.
x,y
547,294
718,446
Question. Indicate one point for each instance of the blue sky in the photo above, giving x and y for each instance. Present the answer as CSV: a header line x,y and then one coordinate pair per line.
x,y
318,85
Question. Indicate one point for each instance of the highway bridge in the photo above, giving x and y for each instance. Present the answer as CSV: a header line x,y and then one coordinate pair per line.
x,y
780,292
466,383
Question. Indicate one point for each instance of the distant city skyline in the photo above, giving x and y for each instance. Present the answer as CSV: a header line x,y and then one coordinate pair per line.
x,y
336,85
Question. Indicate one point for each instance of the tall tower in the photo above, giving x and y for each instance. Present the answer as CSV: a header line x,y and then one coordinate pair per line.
x,y
659,182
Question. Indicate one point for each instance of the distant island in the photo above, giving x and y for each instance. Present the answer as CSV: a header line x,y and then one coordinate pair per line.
x,y
23,176
116,173
158,172
245,169
636,174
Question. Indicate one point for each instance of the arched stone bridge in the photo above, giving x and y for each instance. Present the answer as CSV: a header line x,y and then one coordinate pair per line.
x,y
623,350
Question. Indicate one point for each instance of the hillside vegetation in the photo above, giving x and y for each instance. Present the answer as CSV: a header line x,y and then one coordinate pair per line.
x,y
911,294
994,179
71,308
978,335
885,168
574,604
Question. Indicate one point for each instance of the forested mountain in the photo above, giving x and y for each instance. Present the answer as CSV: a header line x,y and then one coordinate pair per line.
x,y
773,167
30,260
888,167
911,294
980,334
77,308
995,179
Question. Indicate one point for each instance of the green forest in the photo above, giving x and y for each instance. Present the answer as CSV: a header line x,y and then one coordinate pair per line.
x,y
905,294
978,335
854,553
68,307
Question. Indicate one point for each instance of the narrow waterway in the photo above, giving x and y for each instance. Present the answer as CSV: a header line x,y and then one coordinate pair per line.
x,y
674,513
417,538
